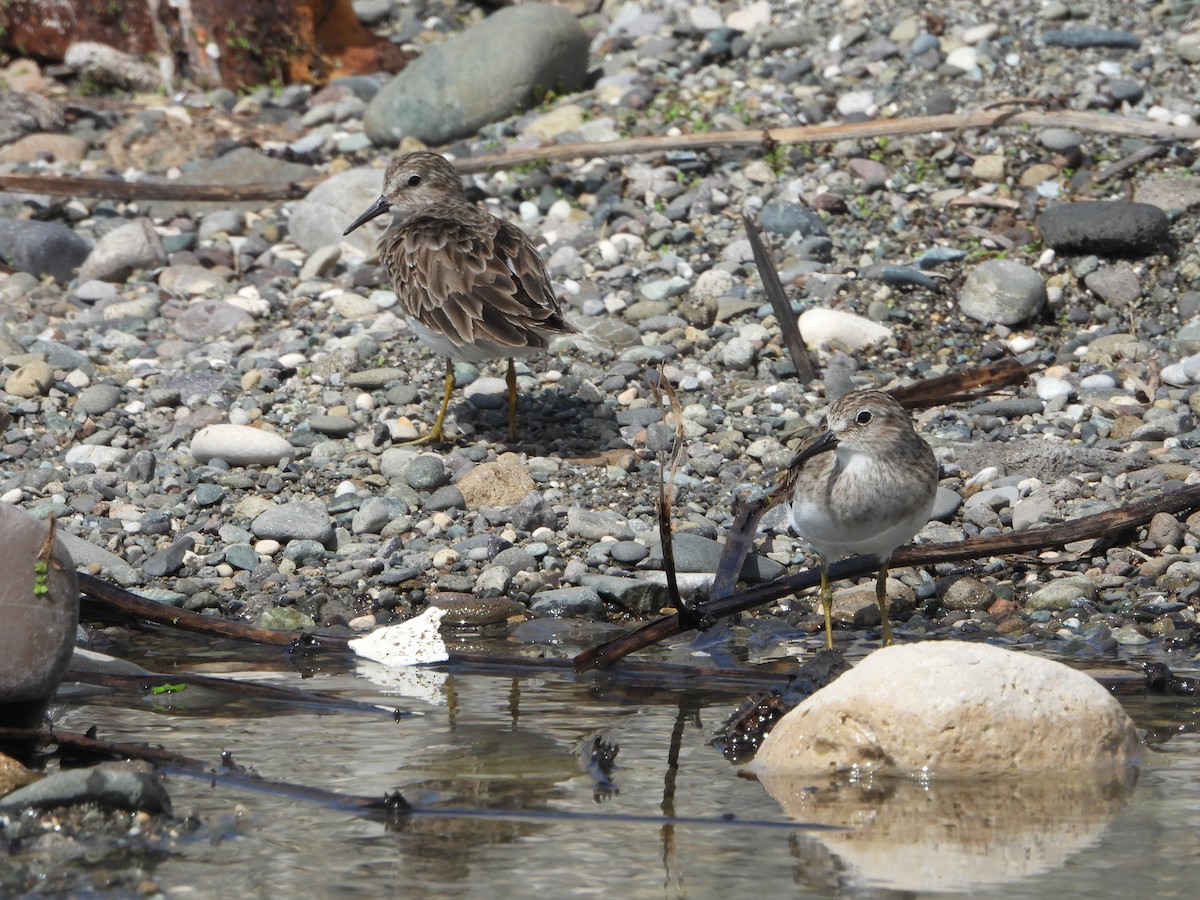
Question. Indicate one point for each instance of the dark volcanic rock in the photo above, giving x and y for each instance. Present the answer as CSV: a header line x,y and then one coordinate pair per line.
x,y
1116,228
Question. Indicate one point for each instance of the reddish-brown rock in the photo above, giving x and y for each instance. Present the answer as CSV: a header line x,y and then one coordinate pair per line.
x,y
236,43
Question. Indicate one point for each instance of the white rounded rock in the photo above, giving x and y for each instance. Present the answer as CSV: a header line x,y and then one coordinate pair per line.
x,y
1054,388
240,445
834,329
951,710
98,455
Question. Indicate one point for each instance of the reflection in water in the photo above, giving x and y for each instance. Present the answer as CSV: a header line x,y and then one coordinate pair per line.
x,y
486,744
911,835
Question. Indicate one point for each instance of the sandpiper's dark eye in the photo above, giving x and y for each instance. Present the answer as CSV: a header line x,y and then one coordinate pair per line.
x,y
863,417
414,180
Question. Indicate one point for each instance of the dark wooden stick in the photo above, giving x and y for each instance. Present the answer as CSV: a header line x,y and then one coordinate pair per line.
x,y
116,189
1085,528
967,384
747,510
253,689
1100,123
1136,158
391,808
375,807
135,607
114,600
773,287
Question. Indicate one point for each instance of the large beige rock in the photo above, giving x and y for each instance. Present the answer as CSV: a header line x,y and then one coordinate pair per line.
x,y
500,483
952,710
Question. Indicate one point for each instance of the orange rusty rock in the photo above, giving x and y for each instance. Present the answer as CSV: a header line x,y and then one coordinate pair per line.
x,y
237,43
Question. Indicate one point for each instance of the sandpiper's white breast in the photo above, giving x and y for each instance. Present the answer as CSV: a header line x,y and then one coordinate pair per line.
x,y
890,509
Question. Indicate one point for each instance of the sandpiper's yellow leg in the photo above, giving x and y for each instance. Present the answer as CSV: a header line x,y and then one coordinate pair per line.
x,y
882,601
437,434
511,379
827,603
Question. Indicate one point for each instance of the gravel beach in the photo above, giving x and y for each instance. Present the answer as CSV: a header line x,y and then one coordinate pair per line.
x,y
211,398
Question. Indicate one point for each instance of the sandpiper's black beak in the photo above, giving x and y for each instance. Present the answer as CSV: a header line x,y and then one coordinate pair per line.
x,y
822,442
378,208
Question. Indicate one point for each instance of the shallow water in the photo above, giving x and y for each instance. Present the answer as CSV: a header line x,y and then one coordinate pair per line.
x,y
491,746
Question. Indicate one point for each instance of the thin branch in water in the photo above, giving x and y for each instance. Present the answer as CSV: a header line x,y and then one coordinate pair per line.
x,y
661,388
1093,527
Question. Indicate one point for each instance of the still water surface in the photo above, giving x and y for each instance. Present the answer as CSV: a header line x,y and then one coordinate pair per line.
x,y
491,744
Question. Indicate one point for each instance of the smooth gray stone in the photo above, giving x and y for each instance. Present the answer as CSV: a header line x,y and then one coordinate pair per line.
x,y
1002,291
304,520
505,63
575,602
87,554
634,594
169,560
42,248
114,785
244,165
1092,37
696,553
38,632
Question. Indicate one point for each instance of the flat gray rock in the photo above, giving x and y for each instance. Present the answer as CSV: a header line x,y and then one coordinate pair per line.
x,y
297,520
114,785
243,165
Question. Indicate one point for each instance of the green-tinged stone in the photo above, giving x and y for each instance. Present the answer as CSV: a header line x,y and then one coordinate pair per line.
x,y
285,618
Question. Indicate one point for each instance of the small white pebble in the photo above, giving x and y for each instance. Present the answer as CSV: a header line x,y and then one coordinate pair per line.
x,y
559,211
1022,343
609,254
614,304
267,547
983,477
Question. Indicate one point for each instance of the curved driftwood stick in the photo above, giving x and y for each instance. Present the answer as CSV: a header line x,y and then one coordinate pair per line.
x,y
1099,123
135,607
1100,525
387,807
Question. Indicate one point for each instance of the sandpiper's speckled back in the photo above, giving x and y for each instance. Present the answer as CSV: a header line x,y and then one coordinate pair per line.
x,y
472,285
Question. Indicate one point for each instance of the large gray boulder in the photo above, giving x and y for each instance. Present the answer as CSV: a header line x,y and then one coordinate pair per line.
x,y
42,248
507,62
38,633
